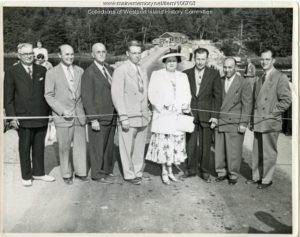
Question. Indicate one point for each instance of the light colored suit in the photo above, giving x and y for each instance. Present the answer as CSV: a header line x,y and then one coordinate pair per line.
x,y
270,100
235,111
61,97
131,104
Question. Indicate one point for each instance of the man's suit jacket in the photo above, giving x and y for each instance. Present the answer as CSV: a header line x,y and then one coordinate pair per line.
x,y
270,100
60,97
236,106
209,96
96,94
128,101
24,96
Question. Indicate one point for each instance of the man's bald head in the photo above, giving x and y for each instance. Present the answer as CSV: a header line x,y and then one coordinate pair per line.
x,y
229,67
66,54
99,52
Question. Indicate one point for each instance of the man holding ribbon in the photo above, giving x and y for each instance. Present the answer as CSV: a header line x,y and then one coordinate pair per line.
x,y
63,94
102,121
24,97
129,94
206,101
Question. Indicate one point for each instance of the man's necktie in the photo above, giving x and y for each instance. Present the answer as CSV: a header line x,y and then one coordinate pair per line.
x,y
263,78
140,81
199,80
29,72
72,82
106,75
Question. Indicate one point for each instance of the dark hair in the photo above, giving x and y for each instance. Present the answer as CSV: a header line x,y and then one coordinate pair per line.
x,y
264,50
40,56
133,43
201,50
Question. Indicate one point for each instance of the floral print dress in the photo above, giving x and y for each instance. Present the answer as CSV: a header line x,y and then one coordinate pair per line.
x,y
167,148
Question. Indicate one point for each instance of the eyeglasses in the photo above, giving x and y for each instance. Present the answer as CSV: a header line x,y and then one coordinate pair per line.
x,y
27,54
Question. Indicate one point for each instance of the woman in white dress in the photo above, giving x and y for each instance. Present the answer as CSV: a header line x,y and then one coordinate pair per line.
x,y
169,94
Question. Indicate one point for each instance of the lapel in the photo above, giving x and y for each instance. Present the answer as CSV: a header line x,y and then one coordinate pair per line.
x,y
99,75
131,72
61,73
205,79
223,87
77,77
266,86
229,96
25,78
22,70
192,80
35,76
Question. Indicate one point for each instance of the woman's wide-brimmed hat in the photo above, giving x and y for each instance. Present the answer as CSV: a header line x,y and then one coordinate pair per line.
x,y
172,53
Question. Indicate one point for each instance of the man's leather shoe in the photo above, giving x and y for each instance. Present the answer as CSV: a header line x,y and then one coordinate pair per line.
x,y
105,180
232,181
263,186
251,181
207,180
46,178
187,175
134,181
68,181
82,178
221,178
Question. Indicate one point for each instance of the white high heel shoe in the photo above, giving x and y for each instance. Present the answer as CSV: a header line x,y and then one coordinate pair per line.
x,y
172,177
165,178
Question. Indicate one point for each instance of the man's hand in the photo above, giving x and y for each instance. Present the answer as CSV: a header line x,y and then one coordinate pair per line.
x,y
68,114
125,125
14,124
214,122
95,125
242,129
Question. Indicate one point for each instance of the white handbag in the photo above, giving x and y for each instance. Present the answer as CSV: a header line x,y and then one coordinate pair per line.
x,y
185,123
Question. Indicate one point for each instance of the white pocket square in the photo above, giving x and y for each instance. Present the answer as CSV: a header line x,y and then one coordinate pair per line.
x,y
41,79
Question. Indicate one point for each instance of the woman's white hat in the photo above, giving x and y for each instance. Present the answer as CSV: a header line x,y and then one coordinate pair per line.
x,y
172,54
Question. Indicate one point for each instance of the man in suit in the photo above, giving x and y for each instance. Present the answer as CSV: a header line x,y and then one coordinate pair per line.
x,y
271,97
96,98
24,97
233,120
129,94
63,94
205,86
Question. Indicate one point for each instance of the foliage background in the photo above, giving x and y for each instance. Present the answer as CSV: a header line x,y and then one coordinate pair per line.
x,y
55,26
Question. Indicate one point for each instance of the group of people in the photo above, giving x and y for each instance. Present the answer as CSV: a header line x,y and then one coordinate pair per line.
x,y
105,99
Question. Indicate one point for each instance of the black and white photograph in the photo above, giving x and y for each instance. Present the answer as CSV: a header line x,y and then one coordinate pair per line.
x,y
150,117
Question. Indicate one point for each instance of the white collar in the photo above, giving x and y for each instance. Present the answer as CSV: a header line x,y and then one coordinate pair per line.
x,y
269,72
26,67
230,78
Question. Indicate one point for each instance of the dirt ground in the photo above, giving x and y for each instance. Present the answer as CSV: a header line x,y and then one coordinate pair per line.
x,y
190,206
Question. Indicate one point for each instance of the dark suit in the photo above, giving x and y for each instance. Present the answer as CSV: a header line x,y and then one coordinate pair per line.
x,y
96,98
235,111
24,96
208,98
271,99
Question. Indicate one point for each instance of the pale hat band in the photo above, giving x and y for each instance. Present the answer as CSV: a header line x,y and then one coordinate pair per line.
x,y
168,55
